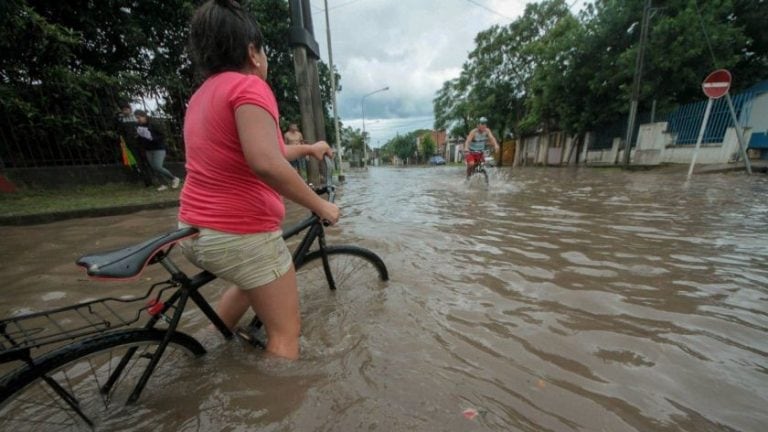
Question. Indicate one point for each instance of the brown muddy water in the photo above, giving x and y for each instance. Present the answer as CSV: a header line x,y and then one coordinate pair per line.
x,y
557,300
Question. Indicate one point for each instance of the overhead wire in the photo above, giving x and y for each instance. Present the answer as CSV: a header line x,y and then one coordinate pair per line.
x,y
330,8
489,9
706,35
406,125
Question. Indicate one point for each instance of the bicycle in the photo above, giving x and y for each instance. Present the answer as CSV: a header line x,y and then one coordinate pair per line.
x,y
479,169
98,362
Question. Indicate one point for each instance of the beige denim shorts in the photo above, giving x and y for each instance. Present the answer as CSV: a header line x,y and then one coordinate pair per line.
x,y
246,260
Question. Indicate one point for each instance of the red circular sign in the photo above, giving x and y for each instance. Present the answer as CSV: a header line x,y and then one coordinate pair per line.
x,y
717,84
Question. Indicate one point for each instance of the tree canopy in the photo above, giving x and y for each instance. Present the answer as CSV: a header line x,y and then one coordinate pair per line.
x,y
405,146
550,69
66,66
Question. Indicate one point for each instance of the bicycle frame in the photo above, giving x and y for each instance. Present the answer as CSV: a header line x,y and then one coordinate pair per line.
x,y
186,288
189,289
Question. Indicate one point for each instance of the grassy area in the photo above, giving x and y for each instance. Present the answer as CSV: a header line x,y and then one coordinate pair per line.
x,y
30,202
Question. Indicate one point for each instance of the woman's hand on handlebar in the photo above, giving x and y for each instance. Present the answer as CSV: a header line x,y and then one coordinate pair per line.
x,y
320,149
329,213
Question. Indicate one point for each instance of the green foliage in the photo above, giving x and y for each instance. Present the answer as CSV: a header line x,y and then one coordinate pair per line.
x,y
352,145
405,147
66,65
38,201
428,147
552,70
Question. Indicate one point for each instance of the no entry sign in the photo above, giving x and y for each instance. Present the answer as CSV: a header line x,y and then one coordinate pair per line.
x,y
716,84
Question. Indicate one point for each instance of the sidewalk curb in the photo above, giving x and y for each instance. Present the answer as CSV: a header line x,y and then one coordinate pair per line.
x,y
41,218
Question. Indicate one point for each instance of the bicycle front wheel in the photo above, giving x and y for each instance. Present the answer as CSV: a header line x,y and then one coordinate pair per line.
x,y
481,172
348,267
76,387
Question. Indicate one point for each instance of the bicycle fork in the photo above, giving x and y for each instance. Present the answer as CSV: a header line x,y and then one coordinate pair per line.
x,y
316,232
326,263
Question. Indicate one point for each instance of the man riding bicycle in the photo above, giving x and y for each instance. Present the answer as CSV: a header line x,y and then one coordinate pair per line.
x,y
476,144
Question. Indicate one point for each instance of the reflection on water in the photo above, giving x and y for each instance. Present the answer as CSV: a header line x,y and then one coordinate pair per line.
x,y
555,300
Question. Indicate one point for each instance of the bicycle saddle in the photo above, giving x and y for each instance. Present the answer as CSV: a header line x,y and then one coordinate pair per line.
x,y
129,262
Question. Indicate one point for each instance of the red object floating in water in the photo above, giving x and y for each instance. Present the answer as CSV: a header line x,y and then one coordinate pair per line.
x,y
469,413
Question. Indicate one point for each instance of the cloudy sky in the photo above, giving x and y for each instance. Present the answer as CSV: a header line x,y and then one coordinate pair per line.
x,y
412,47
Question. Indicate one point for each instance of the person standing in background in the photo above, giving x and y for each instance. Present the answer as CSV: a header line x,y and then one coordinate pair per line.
x,y
127,131
293,136
151,138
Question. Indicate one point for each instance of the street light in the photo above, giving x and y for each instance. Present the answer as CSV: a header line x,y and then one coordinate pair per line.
x,y
362,104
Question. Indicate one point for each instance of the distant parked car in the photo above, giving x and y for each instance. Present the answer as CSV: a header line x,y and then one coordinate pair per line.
x,y
437,160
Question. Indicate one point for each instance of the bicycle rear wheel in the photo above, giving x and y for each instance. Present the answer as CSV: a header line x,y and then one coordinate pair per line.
x,y
44,396
348,267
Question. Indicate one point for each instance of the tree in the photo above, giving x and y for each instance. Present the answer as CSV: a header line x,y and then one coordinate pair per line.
x,y
404,146
65,66
428,146
54,90
496,80
551,70
352,145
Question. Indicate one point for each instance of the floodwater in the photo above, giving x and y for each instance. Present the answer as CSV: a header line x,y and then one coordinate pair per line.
x,y
556,300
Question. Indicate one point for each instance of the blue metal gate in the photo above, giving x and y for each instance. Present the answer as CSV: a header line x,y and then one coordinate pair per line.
x,y
686,120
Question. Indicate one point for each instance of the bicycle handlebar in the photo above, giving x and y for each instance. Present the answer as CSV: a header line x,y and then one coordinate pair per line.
x,y
328,187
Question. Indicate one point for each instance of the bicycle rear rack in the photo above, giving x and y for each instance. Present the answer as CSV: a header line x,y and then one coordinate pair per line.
x,y
19,335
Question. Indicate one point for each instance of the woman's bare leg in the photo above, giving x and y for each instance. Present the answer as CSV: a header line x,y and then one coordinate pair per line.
x,y
232,306
277,306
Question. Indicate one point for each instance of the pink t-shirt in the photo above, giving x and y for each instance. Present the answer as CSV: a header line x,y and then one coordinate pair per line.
x,y
221,192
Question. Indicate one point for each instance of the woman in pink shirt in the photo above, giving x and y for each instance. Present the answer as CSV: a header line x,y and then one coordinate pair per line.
x,y
237,169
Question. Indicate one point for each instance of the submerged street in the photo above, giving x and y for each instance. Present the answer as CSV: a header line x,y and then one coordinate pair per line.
x,y
556,300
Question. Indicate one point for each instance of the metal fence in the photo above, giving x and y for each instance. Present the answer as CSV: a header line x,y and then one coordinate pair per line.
x,y
58,135
686,120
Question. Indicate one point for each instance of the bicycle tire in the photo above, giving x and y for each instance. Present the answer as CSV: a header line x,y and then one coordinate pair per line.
x,y
485,175
350,266
477,171
28,402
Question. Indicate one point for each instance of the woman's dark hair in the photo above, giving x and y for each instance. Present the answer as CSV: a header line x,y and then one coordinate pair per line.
x,y
220,33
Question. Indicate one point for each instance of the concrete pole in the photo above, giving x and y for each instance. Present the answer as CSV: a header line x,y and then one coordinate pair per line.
x,y
307,79
636,83
333,91
701,136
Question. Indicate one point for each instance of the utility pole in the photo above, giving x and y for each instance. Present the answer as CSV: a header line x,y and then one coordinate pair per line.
x,y
306,52
333,90
636,82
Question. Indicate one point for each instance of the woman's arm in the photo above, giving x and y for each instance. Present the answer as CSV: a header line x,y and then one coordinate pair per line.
x,y
258,138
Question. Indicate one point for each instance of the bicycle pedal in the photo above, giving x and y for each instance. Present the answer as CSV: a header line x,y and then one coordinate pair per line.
x,y
250,336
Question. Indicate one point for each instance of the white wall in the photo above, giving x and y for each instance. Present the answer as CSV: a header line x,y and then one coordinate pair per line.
x,y
656,146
